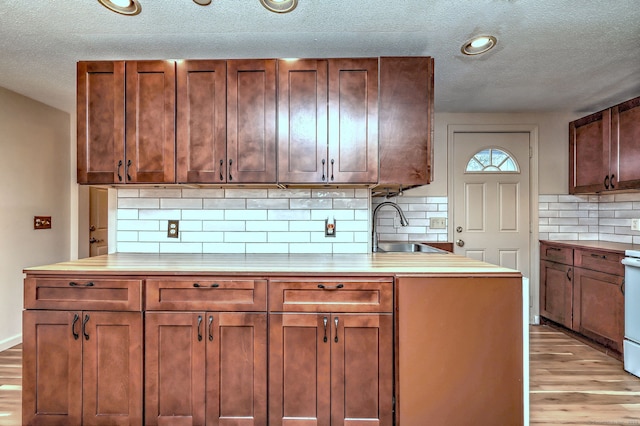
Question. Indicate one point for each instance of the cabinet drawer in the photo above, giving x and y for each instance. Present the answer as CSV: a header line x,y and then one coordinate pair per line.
x,y
331,296
197,293
83,292
599,261
562,255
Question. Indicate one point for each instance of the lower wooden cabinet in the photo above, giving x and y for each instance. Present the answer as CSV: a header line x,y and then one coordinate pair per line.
x,y
556,292
598,307
330,369
82,367
205,368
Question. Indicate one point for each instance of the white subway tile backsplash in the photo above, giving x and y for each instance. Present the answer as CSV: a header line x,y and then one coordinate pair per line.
x,y
268,225
137,247
138,225
311,203
203,215
245,214
245,237
288,237
223,248
181,203
306,225
350,203
267,248
289,193
127,214
350,248
180,248
203,193
222,204
138,203
160,193
288,215
325,193
267,203
246,193
128,193
224,225
311,248
158,214
336,214
202,237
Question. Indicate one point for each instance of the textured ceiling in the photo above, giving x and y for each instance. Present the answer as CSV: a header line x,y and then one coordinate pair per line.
x,y
552,55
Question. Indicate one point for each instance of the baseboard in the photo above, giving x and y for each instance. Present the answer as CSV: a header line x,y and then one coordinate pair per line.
x,y
10,342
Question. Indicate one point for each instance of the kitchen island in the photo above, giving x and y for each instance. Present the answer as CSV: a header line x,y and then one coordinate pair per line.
x,y
275,339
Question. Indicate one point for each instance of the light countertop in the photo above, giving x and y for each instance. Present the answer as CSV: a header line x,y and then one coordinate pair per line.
x,y
276,264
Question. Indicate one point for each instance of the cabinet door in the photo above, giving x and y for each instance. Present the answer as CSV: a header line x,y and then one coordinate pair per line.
x,y
150,122
302,121
353,120
406,120
589,146
111,368
361,369
236,369
52,368
251,121
174,368
201,140
299,369
598,307
625,136
556,292
100,122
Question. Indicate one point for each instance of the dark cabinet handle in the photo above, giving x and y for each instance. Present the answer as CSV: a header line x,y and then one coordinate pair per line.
x,y
599,256
324,321
323,175
198,285
324,287
606,182
553,249
569,274
74,284
332,170
76,317
230,176
119,175
211,328
199,330
335,320
84,327
613,186
221,164
622,287
127,170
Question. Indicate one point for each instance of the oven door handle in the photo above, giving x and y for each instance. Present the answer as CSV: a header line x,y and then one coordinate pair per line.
x,y
631,261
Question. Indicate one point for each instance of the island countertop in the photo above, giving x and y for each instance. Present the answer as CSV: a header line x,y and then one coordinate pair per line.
x,y
278,264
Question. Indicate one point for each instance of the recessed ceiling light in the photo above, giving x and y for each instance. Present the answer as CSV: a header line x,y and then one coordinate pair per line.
x,y
202,2
478,45
279,6
123,7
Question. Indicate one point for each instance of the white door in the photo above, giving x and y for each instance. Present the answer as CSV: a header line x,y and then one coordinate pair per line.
x,y
98,221
491,197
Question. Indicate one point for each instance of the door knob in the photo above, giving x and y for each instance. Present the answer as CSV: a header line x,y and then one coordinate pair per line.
x,y
459,229
460,243
92,228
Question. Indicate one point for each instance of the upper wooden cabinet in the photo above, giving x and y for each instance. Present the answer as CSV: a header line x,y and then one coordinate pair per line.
x,y
406,120
226,121
327,116
605,150
126,122
310,121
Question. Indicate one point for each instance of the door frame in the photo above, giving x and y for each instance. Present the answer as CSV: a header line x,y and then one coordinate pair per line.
x,y
534,255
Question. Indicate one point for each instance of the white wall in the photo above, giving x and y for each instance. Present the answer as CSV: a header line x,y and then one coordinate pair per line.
x,y
35,171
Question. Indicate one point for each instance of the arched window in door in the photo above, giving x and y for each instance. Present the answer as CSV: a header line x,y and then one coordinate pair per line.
x,y
492,160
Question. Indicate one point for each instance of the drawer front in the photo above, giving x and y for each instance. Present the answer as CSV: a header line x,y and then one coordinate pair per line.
x,y
602,261
206,294
331,296
83,292
557,254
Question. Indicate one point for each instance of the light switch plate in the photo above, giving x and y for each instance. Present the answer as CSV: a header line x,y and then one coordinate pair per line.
x,y
635,224
438,223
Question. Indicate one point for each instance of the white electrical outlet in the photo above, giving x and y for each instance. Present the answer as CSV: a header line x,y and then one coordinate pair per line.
x,y
437,223
635,224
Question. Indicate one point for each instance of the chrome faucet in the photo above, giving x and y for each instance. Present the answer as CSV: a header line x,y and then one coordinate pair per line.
x,y
403,221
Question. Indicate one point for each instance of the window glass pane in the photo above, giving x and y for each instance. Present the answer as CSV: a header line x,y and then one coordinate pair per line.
x,y
492,160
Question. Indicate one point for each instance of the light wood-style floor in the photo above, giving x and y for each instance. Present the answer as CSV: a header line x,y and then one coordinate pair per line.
x,y
571,384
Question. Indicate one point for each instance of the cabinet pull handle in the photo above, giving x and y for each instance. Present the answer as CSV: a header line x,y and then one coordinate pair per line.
x,y
553,249
74,284
325,287
324,321
230,163
622,287
84,327
199,330
127,170
198,285
119,175
569,274
221,164
332,170
323,175
211,328
613,185
76,317
606,182
335,320
599,256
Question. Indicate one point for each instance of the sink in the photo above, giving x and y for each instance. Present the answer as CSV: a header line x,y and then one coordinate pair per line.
x,y
400,247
